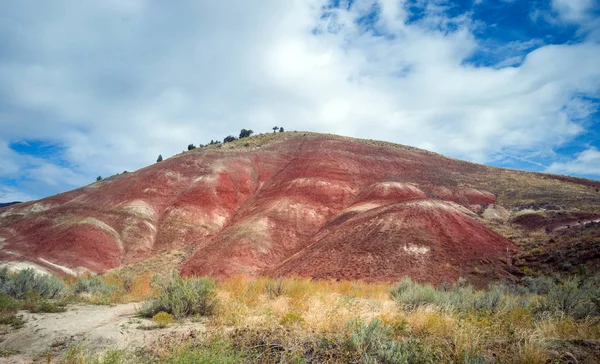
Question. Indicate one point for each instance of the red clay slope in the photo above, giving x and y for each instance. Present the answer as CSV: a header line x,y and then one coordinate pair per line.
x,y
320,206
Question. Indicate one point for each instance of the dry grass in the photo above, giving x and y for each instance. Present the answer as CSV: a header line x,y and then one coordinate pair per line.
x,y
293,314
512,335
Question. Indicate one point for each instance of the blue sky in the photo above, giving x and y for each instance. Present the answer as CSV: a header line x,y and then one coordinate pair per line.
x,y
98,87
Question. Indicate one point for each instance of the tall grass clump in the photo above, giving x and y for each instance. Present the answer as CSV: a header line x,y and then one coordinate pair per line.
x,y
19,284
180,297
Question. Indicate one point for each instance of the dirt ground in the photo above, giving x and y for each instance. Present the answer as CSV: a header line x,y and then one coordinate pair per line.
x,y
45,336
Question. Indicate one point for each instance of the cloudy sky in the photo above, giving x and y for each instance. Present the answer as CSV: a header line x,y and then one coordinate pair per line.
x,y
92,88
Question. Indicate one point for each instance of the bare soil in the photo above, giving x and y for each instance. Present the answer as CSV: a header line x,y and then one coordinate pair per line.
x,y
47,335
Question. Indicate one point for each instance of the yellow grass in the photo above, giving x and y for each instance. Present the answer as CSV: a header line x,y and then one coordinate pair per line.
x,y
305,307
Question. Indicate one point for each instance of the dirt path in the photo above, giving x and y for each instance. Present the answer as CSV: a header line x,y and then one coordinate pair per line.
x,y
95,327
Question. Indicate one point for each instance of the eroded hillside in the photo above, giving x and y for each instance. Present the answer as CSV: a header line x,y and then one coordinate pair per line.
x,y
298,204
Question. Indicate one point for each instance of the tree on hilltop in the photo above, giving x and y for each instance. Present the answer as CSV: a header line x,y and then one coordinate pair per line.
x,y
159,159
229,138
275,128
245,133
191,146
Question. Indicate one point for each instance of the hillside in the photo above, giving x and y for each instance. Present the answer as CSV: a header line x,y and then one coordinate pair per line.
x,y
304,204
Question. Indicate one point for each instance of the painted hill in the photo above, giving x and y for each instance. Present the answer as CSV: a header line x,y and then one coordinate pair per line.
x,y
297,204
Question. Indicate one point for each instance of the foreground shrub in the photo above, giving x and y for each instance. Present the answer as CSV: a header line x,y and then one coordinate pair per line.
x,y
8,311
18,284
162,319
180,297
572,297
34,303
374,343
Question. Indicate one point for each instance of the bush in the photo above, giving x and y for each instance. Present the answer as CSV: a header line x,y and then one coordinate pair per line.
x,y
94,286
491,299
245,133
191,146
17,285
459,297
374,344
34,303
8,310
8,304
573,298
180,297
162,319
538,285
412,295
229,138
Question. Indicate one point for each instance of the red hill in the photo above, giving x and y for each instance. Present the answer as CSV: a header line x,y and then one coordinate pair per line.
x,y
288,204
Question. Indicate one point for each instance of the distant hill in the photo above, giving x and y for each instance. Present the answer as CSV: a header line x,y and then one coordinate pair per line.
x,y
6,204
313,205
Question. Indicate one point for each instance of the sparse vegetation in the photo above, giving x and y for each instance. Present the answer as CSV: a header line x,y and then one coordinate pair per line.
x,y
159,159
95,289
180,297
292,319
229,139
191,146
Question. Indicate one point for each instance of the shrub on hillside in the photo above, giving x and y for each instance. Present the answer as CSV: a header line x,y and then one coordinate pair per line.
x,y
18,284
180,297
245,133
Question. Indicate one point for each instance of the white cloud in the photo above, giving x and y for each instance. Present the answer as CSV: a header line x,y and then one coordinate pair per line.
x,y
119,84
574,11
584,163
